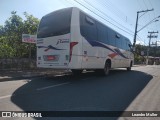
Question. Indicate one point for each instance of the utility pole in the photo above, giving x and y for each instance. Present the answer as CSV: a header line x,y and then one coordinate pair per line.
x,y
155,51
150,37
135,34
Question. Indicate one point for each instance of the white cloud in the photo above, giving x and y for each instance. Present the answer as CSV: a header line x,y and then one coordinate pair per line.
x,y
158,42
140,42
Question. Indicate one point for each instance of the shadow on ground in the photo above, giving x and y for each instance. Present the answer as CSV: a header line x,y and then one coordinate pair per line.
x,y
86,92
14,75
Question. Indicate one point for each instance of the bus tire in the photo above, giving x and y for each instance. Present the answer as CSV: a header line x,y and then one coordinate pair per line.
x,y
129,68
107,68
76,72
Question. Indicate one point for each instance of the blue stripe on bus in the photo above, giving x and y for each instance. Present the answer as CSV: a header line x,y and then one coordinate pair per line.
x,y
98,44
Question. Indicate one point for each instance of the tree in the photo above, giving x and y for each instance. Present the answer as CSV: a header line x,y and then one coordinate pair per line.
x,y
139,59
153,51
30,27
11,35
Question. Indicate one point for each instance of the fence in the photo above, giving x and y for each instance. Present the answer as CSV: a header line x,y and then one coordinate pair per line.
x,y
17,63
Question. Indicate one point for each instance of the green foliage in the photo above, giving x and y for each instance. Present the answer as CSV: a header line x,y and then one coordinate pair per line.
x,y
11,36
139,59
153,51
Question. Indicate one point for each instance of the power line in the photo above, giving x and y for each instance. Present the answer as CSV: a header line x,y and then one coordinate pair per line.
x,y
103,18
140,39
145,4
108,16
142,14
154,13
117,12
146,27
114,9
152,7
139,5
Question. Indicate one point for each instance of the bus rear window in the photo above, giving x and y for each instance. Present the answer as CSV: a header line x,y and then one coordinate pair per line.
x,y
55,23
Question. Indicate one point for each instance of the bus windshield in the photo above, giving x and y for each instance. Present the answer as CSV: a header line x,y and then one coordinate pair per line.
x,y
55,23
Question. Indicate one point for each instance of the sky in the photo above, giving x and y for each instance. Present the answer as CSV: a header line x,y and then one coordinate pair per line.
x,y
120,15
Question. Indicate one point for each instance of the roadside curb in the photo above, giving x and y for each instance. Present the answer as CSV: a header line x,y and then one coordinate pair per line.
x,y
139,65
20,77
17,75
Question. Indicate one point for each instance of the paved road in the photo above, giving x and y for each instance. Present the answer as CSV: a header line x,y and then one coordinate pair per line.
x,y
121,90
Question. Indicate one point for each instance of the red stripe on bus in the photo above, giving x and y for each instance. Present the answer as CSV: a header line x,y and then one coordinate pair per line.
x,y
72,44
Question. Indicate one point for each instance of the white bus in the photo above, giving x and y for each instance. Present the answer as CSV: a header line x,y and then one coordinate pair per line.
x,y
71,39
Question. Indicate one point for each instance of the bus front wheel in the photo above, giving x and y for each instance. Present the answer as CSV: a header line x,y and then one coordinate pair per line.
x,y
129,68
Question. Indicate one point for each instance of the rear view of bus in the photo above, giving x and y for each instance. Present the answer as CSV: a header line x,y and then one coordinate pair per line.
x,y
53,39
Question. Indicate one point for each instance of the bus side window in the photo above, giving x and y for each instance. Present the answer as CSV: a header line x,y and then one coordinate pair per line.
x,y
124,43
118,40
88,27
102,33
111,37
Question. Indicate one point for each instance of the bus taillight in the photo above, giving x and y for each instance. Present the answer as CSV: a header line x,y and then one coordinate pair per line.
x,y
72,44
